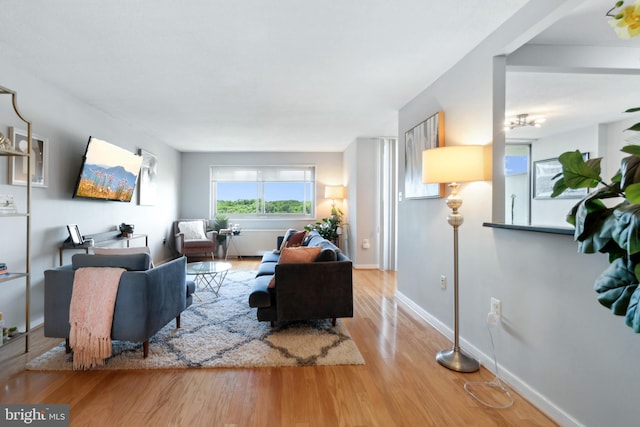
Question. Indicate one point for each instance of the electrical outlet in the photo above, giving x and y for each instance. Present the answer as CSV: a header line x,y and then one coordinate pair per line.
x,y
443,282
496,306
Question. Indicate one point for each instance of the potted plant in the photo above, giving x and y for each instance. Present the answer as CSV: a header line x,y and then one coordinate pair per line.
x,y
221,222
612,228
330,227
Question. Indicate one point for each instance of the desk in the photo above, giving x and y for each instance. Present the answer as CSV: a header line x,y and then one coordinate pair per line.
x,y
101,240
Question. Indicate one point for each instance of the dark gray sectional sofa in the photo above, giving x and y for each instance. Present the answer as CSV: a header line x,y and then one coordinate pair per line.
x,y
315,290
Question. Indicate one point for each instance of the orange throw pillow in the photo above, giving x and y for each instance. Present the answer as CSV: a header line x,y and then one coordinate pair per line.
x,y
296,255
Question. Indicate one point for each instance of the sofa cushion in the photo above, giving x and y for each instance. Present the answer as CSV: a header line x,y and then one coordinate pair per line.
x,y
327,254
192,230
133,262
296,255
270,257
266,269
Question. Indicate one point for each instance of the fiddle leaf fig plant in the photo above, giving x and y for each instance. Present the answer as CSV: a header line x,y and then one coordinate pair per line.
x,y
607,220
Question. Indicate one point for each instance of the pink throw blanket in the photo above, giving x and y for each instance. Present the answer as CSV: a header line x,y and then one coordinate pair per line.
x,y
91,314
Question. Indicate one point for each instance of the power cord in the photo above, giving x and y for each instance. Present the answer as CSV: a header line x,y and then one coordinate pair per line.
x,y
496,383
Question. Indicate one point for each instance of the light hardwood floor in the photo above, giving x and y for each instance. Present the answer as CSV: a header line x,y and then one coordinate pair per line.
x,y
401,384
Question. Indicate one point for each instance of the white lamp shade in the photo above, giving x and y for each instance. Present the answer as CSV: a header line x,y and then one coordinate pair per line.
x,y
458,163
334,192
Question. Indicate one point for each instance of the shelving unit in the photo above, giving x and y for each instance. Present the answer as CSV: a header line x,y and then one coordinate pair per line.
x,y
26,274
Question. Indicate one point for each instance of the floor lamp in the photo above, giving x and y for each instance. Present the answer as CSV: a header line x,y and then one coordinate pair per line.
x,y
455,164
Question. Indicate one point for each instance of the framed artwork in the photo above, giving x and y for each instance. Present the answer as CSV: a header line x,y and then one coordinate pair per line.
x,y
426,135
39,159
148,177
74,234
543,173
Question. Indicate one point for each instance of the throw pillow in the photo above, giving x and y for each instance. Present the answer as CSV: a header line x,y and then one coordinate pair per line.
x,y
192,230
286,237
296,255
296,239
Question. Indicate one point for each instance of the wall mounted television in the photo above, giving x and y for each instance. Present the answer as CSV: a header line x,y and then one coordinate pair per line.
x,y
108,172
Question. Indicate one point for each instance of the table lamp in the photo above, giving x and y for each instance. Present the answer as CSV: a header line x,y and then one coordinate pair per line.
x,y
334,192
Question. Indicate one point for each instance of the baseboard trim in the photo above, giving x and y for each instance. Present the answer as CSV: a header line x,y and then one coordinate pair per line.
x,y
366,266
524,389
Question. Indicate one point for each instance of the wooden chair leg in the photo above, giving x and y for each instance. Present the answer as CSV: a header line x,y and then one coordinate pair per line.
x,y
145,349
273,323
67,346
178,322
334,321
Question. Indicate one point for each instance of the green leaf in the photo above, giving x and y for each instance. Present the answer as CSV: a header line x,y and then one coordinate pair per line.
x,y
577,173
615,286
632,319
632,110
559,187
635,127
627,225
632,193
630,171
590,212
634,150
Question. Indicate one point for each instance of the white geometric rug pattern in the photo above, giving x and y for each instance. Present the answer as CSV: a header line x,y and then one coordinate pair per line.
x,y
223,332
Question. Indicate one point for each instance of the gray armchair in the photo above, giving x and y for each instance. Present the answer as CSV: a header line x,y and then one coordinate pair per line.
x,y
192,237
147,299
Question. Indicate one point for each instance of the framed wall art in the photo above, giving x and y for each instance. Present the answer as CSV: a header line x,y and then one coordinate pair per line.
x,y
148,177
543,173
74,235
426,135
39,159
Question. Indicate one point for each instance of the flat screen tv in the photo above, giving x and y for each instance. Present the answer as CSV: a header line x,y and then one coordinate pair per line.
x,y
108,172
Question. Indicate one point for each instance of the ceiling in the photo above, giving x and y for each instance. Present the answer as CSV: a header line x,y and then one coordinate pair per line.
x,y
572,100
247,75
286,75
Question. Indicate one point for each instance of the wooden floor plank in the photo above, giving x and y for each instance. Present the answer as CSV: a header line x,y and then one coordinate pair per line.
x,y
401,383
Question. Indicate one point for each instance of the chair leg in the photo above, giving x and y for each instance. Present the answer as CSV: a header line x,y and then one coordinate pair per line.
x,y
178,322
67,346
334,321
273,323
145,349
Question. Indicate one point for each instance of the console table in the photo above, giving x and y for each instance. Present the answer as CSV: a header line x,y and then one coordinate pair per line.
x,y
101,240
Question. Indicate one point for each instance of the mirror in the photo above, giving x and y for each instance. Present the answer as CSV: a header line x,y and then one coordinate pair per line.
x,y
577,108
579,78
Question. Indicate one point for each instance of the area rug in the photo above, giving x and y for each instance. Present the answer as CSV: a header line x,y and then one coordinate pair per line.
x,y
223,332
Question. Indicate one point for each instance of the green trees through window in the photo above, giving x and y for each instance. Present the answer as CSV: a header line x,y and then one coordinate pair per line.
x,y
263,191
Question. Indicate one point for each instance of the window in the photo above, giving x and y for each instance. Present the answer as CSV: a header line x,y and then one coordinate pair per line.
x,y
263,191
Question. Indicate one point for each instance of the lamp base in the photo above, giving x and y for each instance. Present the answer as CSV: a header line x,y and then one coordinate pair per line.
x,y
458,361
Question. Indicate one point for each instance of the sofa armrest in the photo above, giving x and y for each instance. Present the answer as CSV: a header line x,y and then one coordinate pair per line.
x,y
314,290
58,286
148,300
179,238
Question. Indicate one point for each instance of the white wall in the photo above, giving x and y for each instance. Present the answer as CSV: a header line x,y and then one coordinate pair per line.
x,y
67,124
557,345
553,211
361,174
